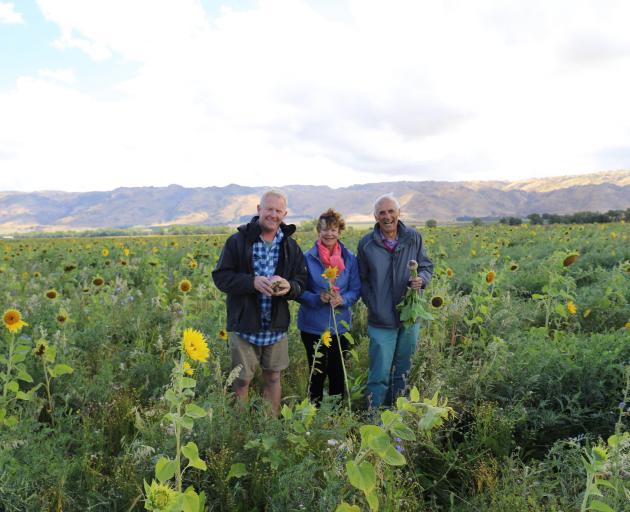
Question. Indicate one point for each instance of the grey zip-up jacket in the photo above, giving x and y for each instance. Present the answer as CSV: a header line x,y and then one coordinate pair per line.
x,y
385,275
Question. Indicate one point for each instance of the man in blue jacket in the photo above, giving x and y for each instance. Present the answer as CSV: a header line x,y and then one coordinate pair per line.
x,y
260,268
384,256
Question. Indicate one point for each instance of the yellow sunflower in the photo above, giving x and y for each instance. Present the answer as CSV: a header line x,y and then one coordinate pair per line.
x,y
51,294
185,285
223,335
98,281
571,308
192,264
195,345
62,317
105,252
188,370
13,320
514,267
330,273
449,273
490,276
627,325
326,336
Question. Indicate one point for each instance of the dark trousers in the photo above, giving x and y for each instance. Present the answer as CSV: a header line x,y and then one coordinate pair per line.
x,y
329,365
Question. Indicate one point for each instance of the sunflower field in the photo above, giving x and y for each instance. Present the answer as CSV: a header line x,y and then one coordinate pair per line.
x,y
116,380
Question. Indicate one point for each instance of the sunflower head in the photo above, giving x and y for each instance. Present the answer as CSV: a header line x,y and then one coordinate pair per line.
x,y
12,319
437,302
51,294
188,370
195,345
330,273
126,252
123,263
105,252
326,338
98,281
514,267
449,273
185,285
40,348
490,276
223,335
192,264
570,260
62,317
627,325
571,308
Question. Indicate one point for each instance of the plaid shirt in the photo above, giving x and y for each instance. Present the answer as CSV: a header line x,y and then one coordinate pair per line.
x,y
265,263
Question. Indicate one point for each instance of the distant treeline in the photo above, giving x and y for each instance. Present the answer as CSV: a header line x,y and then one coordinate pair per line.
x,y
571,218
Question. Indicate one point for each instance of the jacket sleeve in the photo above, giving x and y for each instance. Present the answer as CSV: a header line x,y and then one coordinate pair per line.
x,y
352,293
364,274
227,275
299,274
425,265
310,299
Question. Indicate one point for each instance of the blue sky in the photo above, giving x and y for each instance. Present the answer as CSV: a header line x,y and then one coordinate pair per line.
x,y
98,94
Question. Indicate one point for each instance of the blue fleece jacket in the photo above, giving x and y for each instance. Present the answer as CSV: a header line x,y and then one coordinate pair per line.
x,y
314,316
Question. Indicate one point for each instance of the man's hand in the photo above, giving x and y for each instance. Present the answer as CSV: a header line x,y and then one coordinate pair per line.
x,y
415,283
279,286
263,285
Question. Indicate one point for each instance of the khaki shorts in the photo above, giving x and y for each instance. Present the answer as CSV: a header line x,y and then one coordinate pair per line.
x,y
274,358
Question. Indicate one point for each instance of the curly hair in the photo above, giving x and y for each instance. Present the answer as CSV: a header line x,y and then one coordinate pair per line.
x,y
331,218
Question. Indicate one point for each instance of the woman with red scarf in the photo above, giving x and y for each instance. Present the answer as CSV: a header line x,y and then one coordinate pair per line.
x,y
322,299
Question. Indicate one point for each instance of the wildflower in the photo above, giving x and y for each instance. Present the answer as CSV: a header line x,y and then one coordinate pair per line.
x,y
326,338
98,281
449,273
188,370
51,294
570,259
105,252
571,308
223,335
13,320
185,285
195,345
330,273
437,302
490,276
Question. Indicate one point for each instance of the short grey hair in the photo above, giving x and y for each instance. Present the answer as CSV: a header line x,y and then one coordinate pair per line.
x,y
275,193
389,196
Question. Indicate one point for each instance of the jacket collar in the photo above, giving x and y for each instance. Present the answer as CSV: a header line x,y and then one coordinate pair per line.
x,y
252,229
403,232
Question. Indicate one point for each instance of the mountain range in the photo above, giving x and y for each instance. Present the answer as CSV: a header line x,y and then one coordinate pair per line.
x,y
232,204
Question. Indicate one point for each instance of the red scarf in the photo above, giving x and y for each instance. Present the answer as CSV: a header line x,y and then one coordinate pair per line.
x,y
331,259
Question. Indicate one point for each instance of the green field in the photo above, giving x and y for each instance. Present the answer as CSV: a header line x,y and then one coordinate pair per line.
x,y
521,399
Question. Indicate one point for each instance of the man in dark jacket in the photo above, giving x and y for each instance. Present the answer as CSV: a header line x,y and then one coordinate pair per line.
x,y
383,255
260,268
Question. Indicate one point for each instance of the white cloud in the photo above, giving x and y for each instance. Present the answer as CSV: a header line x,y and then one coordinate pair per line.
x,y
9,15
59,75
283,93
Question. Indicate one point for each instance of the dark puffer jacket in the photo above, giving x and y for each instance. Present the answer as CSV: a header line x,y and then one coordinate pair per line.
x,y
234,275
